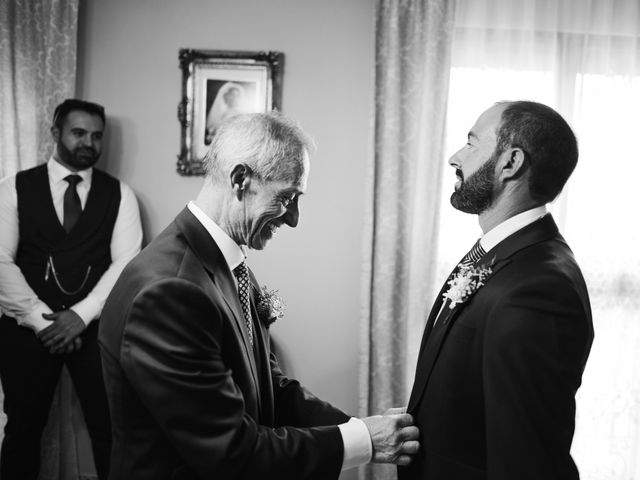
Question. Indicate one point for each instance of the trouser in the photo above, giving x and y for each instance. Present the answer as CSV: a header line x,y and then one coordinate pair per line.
x,y
29,375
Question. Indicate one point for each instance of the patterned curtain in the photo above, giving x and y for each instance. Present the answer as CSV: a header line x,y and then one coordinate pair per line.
x,y
413,45
37,72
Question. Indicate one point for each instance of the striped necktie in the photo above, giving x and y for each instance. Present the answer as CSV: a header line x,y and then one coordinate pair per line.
x,y
242,275
473,255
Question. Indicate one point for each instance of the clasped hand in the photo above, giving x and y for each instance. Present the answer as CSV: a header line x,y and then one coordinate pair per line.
x,y
394,436
62,336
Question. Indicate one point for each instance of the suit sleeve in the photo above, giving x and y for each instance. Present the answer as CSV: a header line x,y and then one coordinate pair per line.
x,y
536,344
295,405
172,354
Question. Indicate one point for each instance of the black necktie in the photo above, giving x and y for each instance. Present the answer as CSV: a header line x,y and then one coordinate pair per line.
x,y
72,205
242,275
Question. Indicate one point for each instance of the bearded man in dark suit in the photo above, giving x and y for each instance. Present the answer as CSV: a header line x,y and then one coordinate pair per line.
x,y
193,386
509,334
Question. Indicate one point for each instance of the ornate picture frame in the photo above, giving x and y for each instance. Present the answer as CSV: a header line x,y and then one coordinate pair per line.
x,y
217,84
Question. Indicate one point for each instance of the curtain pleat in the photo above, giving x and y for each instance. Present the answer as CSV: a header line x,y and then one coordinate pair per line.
x,y
413,44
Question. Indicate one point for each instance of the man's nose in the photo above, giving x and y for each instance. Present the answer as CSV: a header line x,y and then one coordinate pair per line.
x,y
453,160
87,141
293,214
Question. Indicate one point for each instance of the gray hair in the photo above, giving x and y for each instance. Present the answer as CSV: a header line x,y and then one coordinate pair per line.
x,y
270,144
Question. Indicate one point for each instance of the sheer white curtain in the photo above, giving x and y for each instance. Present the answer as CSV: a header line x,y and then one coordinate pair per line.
x,y
583,58
37,71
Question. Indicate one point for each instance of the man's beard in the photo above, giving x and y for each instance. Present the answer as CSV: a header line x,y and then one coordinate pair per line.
x,y
79,158
475,194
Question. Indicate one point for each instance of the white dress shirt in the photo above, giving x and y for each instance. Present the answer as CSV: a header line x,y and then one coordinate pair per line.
x,y
355,434
17,299
511,226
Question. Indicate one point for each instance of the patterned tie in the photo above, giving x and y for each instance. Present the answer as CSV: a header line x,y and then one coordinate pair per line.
x,y
72,205
242,275
471,257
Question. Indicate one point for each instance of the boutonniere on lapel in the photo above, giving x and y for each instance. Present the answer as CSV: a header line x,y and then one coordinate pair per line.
x,y
270,306
466,282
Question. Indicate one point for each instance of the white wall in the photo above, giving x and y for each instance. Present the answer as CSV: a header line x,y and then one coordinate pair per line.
x,y
128,61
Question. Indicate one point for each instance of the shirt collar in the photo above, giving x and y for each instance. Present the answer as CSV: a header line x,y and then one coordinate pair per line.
x,y
510,226
231,251
57,173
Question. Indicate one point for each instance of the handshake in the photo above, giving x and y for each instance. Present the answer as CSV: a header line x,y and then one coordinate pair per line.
x,y
394,437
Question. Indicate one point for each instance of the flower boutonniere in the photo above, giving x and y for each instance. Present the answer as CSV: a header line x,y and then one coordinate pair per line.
x,y
466,282
270,306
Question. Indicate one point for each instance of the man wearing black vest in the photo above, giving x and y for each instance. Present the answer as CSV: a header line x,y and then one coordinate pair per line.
x,y
66,232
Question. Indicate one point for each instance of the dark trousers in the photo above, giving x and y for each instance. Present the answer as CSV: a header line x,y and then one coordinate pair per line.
x,y
29,375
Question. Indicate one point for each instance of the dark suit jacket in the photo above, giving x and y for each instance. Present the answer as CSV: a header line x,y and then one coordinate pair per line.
x,y
187,399
494,393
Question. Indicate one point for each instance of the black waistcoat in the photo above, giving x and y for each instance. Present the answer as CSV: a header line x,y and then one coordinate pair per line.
x,y
63,268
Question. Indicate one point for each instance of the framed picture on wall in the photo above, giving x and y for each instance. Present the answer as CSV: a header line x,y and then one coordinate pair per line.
x,y
217,84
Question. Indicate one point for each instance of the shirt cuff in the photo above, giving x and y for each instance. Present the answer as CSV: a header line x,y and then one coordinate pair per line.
x,y
88,309
34,319
357,443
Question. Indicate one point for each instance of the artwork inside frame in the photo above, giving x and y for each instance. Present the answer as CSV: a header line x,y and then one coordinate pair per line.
x,y
217,84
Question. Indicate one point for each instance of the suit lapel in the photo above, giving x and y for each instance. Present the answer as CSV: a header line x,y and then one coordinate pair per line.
x,y
213,261
433,314
262,352
498,257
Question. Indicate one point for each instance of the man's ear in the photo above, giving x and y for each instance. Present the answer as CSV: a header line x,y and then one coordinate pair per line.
x,y
240,178
55,133
514,163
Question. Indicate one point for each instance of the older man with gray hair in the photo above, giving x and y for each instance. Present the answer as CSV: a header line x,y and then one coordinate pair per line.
x,y
194,388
